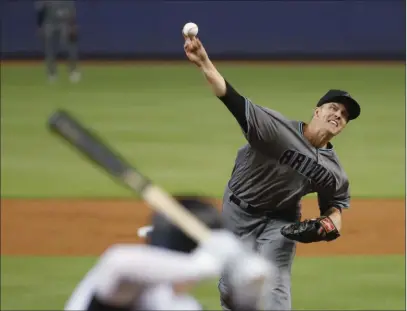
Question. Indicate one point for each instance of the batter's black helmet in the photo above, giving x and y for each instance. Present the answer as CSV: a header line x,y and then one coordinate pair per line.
x,y
167,235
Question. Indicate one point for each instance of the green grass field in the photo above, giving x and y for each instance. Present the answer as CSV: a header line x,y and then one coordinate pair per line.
x,y
369,283
164,119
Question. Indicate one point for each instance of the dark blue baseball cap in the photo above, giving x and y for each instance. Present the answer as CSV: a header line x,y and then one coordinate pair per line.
x,y
342,97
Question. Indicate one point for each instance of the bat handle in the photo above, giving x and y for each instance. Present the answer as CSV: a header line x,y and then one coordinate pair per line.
x,y
180,216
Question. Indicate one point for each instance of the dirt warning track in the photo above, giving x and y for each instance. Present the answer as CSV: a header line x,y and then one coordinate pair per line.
x,y
87,227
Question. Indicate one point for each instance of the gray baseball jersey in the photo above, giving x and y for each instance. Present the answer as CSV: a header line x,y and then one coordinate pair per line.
x,y
279,166
57,12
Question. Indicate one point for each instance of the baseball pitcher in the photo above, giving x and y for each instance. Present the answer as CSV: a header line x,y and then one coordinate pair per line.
x,y
56,21
283,161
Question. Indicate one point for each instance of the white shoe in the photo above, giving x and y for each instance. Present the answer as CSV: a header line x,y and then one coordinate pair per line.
x,y
75,76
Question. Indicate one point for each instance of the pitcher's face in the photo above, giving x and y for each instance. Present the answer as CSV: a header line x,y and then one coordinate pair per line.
x,y
332,117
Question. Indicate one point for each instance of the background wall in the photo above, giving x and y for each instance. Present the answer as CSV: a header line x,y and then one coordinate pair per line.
x,y
230,29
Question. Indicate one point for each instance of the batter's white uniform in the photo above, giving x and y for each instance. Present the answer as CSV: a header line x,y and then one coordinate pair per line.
x,y
142,275
152,271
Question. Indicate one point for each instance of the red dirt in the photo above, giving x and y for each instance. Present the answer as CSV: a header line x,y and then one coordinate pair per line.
x,y
87,227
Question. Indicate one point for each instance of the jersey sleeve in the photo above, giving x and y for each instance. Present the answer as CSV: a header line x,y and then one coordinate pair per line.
x,y
339,199
82,294
258,124
262,123
143,264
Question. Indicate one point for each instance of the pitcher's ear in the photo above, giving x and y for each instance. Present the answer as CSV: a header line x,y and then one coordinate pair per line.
x,y
317,111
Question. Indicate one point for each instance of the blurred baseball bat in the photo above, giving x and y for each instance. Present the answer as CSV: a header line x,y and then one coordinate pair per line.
x,y
89,144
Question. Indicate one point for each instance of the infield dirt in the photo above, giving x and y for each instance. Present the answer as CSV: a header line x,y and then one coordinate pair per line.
x,y
87,227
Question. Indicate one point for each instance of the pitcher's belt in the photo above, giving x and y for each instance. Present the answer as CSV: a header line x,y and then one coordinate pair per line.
x,y
240,202
284,214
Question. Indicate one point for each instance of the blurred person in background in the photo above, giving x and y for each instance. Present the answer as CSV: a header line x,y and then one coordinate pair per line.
x,y
57,25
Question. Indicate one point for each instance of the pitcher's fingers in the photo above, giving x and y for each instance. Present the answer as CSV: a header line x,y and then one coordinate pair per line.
x,y
190,48
187,38
195,43
188,45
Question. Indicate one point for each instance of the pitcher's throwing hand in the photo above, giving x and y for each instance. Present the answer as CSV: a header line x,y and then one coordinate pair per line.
x,y
195,51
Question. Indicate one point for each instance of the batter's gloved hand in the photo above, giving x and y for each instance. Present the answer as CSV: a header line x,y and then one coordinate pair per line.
x,y
245,277
223,246
311,230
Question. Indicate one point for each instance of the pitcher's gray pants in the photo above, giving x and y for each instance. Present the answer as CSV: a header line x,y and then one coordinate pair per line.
x,y
56,38
268,241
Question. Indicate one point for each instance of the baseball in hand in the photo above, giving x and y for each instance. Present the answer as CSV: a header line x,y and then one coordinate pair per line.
x,y
190,30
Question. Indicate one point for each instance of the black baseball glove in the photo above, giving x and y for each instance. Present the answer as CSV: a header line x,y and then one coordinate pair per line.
x,y
311,230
